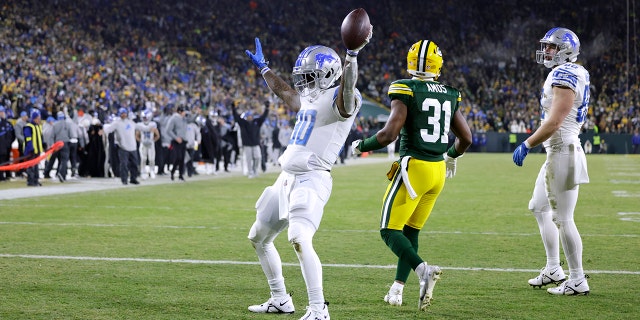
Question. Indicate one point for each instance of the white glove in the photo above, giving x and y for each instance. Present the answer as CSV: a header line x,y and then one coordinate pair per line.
x,y
451,165
354,147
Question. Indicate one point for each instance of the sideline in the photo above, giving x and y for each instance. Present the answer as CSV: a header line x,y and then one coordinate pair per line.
x,y
53,187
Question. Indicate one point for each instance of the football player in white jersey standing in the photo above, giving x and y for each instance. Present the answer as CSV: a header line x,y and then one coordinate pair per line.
x,y
564,102
326,106
147,134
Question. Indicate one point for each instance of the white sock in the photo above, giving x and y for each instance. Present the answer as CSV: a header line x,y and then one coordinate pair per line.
x,y
549,234
397,286
311,271
272,268
572,246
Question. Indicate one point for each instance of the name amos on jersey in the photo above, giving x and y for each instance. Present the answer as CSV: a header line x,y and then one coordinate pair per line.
x,y
436,87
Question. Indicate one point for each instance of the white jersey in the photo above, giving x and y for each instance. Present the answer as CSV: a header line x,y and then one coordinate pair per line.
x,y
146,133
319,134
576,78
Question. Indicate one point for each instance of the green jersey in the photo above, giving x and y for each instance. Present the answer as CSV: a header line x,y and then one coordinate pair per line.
x,y
430,109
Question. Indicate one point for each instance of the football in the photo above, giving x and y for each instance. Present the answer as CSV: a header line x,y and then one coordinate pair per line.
x,y
355,28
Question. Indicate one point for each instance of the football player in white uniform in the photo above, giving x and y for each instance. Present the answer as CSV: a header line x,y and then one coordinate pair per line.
x,y
147,134
325,113
564,102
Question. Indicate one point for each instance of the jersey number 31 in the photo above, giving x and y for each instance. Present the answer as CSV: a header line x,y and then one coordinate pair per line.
x,y
439,110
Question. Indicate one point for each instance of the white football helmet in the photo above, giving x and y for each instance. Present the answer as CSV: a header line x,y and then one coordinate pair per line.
x,y
568,47
146,116
317,69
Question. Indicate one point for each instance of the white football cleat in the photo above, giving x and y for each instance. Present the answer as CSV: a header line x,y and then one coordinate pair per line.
x,y
393,297
317,313
548,276
571,288
275,305
428,275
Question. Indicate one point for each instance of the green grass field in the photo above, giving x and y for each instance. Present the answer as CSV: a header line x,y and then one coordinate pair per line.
x,y
179,251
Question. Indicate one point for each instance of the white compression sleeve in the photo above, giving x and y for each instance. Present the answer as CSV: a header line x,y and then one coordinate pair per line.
x,y
350,75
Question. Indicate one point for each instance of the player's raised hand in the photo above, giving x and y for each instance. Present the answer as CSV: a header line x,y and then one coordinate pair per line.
x,y
519,154
257,58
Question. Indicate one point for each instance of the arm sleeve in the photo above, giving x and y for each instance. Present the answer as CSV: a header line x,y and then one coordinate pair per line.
x,y
264,115
349,90
109,127
234,111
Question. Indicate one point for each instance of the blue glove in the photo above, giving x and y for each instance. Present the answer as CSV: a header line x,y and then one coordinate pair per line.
x,y
520,153
258,57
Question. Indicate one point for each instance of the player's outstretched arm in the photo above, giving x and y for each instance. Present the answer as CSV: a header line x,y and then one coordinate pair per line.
x,y
346,99
387,134
280,87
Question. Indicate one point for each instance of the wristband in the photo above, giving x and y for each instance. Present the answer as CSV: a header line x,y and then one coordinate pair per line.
x,y
352,53
369,144
453,153
351,58
526,144
264,70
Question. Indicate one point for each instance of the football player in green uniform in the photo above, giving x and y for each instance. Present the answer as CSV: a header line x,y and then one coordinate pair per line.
x,y
423,111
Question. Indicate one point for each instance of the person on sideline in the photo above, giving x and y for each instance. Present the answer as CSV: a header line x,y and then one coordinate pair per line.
x,y
7,135
327,103
147,134
63,130
32,133
565,102
250,134
125,138
177,133
423,111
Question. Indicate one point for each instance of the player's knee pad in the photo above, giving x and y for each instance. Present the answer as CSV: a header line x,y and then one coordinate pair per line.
x,y
562,220
538,207
267,206
262,232
301,230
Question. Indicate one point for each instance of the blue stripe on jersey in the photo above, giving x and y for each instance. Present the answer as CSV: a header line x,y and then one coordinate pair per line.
x,y
562,77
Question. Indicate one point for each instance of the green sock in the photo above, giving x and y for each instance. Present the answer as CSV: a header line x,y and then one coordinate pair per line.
x,y
402,247
404,269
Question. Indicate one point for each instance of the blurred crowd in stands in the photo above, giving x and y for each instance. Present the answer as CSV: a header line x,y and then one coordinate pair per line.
x,y
94,57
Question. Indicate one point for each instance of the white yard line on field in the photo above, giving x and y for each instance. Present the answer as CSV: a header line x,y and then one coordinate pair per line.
x,y
137,226
330,265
